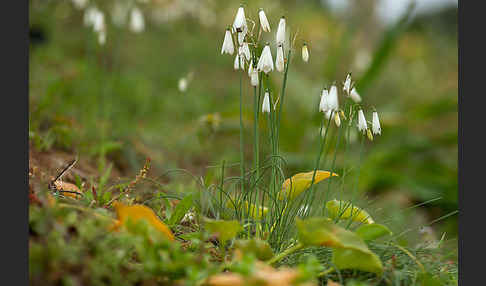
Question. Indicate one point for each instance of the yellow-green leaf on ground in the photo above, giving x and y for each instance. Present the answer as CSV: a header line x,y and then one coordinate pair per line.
x,y
295,185
140,212
260,248
349,250
224,229
255,212
345,210
372,231
350,258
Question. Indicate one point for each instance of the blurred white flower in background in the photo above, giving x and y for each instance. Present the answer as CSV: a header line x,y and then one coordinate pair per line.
x,y
184,82
80,4
263,20
94,18
137,22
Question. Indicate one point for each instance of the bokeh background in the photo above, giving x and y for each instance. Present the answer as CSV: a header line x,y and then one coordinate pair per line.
x,y
167,93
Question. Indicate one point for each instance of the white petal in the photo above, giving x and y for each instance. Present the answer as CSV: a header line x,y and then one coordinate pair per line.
x,y
280,38
228,47
362,126
347,84
333,98
236,64
254,77
355,95
279,61
246,51
240,20
137,22
264,21
265,63
266,103
324,103
376,124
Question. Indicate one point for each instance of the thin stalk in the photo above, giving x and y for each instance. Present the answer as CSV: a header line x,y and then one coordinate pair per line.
x,y
285,253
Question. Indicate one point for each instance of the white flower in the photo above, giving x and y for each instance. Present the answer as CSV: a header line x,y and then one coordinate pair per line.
x,y
355,95
240,21
264,21
362,126
376,124
266,103
80,4
241,35
236,64
333,98
254,77
99,22
347,84
182,84
305,53
245,50
280,38
227,43
137,22
250,68
324,103
265,63
279,61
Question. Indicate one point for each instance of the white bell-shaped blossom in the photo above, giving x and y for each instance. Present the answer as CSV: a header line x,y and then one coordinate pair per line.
x,y
362,126
333,98
265,63
236,64
355,95
80,4
263,21
182,84
279,61
245,50
375,126
240,21
241,35
347,84
254,77
280,38
266,103
137,22
305,53
227,47
250,68
324,103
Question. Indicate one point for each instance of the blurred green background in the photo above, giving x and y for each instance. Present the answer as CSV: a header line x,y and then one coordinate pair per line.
x,y
122,100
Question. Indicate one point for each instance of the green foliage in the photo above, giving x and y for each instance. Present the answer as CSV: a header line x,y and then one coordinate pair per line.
x,y
372,231
225,230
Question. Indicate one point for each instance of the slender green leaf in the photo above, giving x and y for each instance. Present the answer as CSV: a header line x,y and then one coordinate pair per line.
x,y
372,231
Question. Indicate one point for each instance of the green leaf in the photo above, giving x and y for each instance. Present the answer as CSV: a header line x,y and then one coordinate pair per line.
x,y
426,279
224,229
260,248
190,235
349,258
345,210
349,249
372,231
181,209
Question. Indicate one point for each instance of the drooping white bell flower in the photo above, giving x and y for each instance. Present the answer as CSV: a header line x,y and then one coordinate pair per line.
x,y
137,22
245,50
182,84
362,126
355,95
227,47
240,20
254,77
241,35
263,20
280,38
265,63
324,103
250,68
347,84
279,61
236,64
376,124
99,22
305,53
266,103
333,98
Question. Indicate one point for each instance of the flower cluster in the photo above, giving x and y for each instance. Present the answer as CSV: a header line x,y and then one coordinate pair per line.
x,y
329,105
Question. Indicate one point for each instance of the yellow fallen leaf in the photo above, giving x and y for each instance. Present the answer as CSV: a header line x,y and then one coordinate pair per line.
x,y
138,212
255,212
295,185
345,210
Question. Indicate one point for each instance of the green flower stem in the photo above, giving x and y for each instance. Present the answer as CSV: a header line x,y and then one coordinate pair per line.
x,y
242,164
326,272
285,253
